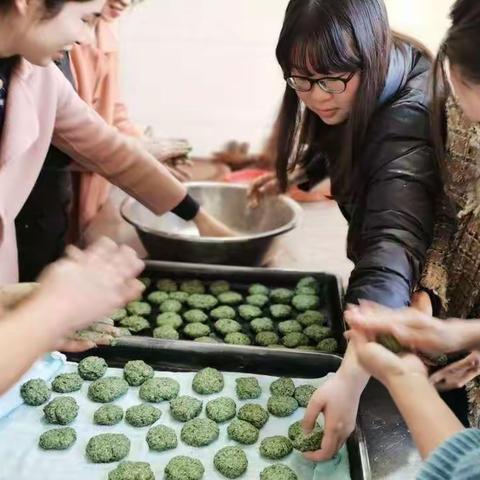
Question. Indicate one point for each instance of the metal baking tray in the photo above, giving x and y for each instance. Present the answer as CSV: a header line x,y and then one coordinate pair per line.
x,y
240,278
163,358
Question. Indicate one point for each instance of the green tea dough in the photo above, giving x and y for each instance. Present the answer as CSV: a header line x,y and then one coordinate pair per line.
x,y
199,432
57,439
278,472
249,312
184,468
132,471
231,462
118,315
221,409
107,448
35,392
318,332
140,309
166,333
167,285
162,438
158,297
309,282
195,316
185,408
281,311
108,415
202,301
159,389
230,298
283,386
253,413
169,319
276,447
208,381
224,326
281,406
305,291
237,338
248,388
196,330
61,410
311,317
135,323
181,297
136,372
107,389
310,442
218,287
242,432
289,326
303,393
223,311
281,295
205,340
146,281
192,287
257,300
329,345
262,324
173,306
302,303
142,415
67,383
92,368
258,289
296,339
265,339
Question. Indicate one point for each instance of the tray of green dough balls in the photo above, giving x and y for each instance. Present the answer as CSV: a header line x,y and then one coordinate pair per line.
x,y
237,307
135,423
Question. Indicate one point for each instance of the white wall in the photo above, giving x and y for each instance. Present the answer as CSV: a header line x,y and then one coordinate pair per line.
x,y
206,70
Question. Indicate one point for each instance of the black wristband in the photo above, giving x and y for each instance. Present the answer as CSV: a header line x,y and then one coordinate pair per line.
x,y
187,209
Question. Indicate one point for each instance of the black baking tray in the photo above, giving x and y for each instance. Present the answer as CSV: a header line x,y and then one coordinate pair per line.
x,y
241,278
163,358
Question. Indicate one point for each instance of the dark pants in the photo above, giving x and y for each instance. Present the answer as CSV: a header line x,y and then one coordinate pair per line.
x,y
458,403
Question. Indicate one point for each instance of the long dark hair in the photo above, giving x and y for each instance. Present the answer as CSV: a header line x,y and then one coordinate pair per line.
x,y
460,47
323,36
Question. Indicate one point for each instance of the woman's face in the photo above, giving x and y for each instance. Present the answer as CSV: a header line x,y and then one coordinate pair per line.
x,y
466,93
114,8
333,109
43,39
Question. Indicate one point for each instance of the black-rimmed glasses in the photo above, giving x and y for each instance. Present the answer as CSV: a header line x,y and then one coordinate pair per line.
x,y
334,85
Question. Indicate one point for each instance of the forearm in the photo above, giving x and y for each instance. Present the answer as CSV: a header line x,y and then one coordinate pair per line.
x,y
428,418
351,369
468,331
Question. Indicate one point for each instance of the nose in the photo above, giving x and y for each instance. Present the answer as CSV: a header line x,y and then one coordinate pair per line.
x,y
318,95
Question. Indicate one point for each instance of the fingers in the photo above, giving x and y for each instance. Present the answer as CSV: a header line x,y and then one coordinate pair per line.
x,y
331,444
75,346
313,410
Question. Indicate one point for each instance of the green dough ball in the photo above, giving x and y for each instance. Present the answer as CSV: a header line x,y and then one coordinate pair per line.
x,y
218,287
329,345
67,383
305,291
278,472
289,326
231,462
202,301
195,330
303,393
192,287
281,311
199,432
139,309
276,447
107,389
108,415
185,408
237,338
146,281
173,306
305,302
35,392
311,317
317,332
225,326
166,333
57,439
157,298
223,312
281,406
257,300
247,388
61,410
167,285
132,471
295,429
310,442
281,295
195,316
123,332
230,298
242,432
208,381
169,319
118,315
206,340
162,438
309,282
262,325
184,468
156,390
296,339
253,413
265,339
92,368
142,415
137,372
249,312
135,324
258,289
391,343
221,409
283,386
107,448
306,348
181,297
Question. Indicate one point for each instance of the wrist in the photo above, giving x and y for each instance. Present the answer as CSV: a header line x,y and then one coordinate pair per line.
x,y
405,382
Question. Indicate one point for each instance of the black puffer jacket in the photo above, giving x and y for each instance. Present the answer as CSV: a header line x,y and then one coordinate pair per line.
x,y
391,223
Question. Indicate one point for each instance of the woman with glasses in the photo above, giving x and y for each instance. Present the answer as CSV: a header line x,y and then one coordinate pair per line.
x,y
356,109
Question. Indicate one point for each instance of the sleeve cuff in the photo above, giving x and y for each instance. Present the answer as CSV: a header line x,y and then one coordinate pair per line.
x,y
187,209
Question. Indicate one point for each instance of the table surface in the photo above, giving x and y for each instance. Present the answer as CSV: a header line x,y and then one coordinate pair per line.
x,y
318,244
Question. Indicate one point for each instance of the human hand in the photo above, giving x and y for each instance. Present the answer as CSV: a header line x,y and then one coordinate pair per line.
x,y
209,226
458,374
422,302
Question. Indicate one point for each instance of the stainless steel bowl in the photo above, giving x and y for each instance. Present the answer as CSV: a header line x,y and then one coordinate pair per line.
x,y
167,237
